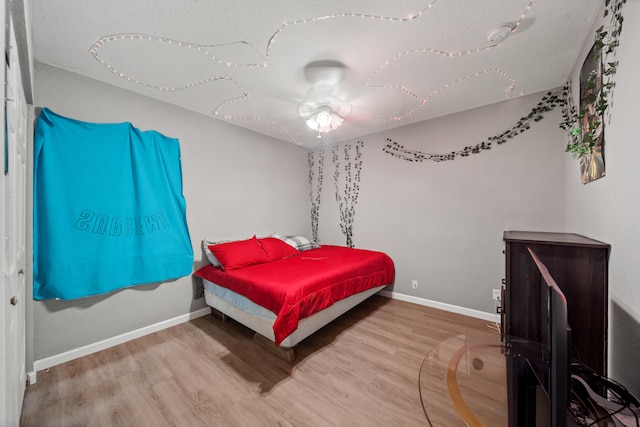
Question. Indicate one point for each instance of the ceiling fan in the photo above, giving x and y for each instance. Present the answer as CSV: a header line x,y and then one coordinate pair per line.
x,y
322,109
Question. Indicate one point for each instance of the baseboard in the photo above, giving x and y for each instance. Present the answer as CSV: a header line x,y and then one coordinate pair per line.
x,y
31,377
441,305
51,361
48,362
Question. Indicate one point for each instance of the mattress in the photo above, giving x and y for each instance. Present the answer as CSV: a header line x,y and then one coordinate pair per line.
x,y
261,320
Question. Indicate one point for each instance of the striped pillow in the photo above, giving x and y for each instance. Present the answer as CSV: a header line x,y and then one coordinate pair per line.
x,y
301,243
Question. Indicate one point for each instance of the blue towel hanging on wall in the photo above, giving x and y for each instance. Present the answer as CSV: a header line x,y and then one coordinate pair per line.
x,y
108,208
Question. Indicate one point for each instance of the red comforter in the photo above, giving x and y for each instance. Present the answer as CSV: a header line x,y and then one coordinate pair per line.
x,y
296,287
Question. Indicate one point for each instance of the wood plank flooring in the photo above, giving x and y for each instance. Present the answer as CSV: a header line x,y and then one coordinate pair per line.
x,y
361,370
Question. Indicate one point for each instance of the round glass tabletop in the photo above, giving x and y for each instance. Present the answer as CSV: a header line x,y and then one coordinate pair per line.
x,y
462,381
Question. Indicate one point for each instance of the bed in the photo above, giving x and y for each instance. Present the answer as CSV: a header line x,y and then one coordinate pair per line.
x,y
285,288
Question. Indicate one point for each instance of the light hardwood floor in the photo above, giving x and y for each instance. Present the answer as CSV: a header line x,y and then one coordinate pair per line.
x,y
361,370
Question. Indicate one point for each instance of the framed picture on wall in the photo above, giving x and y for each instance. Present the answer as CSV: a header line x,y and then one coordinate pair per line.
x,y
592,122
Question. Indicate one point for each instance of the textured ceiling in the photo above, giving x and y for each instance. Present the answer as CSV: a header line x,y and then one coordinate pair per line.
x,y
244,61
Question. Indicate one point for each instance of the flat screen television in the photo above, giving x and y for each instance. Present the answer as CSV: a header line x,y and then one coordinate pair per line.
x,y
541,359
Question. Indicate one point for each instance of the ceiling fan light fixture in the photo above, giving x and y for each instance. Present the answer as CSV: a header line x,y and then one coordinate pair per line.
x,y
323,110
324,117
500,32
324,120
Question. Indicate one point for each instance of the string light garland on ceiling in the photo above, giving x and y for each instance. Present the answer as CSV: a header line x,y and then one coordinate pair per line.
x,y
204,49
423,100
217,111
284,26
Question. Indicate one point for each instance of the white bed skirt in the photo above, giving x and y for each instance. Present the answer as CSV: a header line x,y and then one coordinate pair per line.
x,y
261,320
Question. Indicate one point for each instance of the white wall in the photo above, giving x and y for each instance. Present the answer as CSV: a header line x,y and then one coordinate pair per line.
x,y
236,183
442,223
609,209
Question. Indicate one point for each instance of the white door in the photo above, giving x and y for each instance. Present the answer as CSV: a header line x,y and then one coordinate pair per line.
x,y
12,305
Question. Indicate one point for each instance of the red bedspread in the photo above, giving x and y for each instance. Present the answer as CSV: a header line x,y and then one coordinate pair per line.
x,y
296,287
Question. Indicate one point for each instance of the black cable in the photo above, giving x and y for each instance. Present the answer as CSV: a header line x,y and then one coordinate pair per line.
x,y
611,414
617,393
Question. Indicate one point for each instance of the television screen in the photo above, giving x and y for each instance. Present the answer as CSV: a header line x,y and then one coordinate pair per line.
x,y
538,369
550,363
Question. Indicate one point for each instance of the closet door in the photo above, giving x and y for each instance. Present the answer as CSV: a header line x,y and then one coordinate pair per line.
x,y
14,161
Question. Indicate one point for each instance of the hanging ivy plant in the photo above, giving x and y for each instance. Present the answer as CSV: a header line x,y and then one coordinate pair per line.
x,y
548,102
349,198
576,145
315,190
599,94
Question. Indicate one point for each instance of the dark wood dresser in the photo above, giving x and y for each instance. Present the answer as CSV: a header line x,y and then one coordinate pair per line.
x,y
579,266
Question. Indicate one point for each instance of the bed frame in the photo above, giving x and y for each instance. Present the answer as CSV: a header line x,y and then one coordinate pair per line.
x,y
263,325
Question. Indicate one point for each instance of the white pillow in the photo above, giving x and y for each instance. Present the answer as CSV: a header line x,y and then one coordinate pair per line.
x,y
210,256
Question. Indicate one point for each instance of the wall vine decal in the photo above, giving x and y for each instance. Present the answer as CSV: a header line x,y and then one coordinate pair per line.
x,y
315,190
348,200
606,40
548,102
569,122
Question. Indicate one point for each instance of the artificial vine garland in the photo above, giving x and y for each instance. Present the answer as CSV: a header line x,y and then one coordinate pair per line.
x,y
347,202
315,198
581,140
548,102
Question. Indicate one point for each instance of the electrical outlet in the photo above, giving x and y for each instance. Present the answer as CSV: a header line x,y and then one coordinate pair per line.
x,y
414,284
496,294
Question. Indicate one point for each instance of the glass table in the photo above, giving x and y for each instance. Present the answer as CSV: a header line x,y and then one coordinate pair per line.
x,y
462,381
